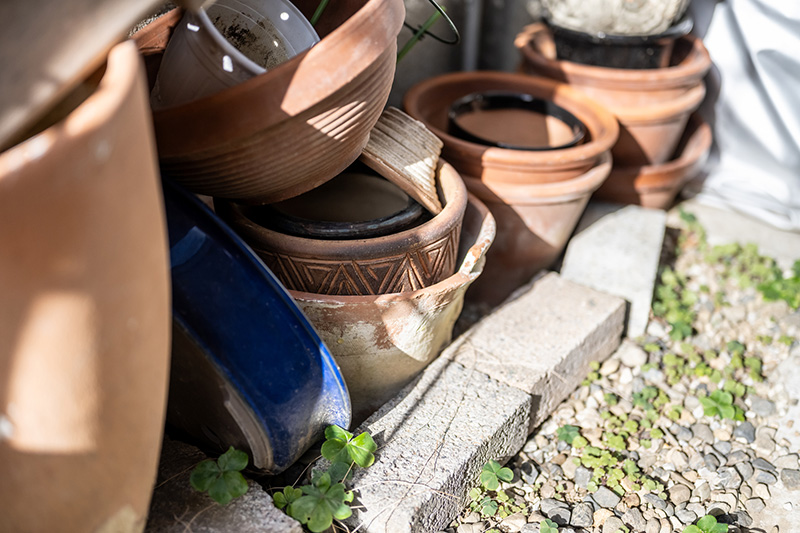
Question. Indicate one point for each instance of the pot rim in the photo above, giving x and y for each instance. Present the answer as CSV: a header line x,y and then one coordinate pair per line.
x,y
122,72
555,192
662,176
664,111
362,39
601,124
469,268
691,70
455,196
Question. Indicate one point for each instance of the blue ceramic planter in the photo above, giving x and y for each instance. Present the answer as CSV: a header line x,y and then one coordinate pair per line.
x,y
248,370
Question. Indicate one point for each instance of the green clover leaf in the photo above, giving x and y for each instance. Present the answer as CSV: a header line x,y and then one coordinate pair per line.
x,y
222,478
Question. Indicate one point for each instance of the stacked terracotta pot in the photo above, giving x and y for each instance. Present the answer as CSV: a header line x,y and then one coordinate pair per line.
x,y
536,197
659,147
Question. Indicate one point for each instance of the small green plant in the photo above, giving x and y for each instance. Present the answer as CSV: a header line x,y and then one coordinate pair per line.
x,y
548,526
707,524
567,433
492,473
488,500
326,498
720,403
222,479
675,304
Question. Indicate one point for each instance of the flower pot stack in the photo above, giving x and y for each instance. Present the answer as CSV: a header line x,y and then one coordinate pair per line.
x,y
659,147
384,303
536,196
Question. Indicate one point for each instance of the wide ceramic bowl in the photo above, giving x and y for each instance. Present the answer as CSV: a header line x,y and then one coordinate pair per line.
x,y
248,370
292,128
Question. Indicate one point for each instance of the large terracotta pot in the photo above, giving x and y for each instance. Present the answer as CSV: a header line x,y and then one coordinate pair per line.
x,y
430,100
400,262
84,314
534,222
657,185
292,128
381,342
652,105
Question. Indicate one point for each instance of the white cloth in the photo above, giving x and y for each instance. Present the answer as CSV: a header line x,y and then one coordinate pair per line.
x,y
754,107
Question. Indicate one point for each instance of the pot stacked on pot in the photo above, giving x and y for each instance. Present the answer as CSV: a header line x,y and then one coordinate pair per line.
x,y
381,279
536,193
659,146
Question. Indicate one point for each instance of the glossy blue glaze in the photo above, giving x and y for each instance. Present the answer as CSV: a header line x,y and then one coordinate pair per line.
x,y
234,319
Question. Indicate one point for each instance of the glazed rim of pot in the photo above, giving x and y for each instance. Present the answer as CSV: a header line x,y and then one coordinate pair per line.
x,y
602,127
491,100
690,70
677,30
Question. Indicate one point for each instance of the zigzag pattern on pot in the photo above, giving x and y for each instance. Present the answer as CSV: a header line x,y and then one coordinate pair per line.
x,y
399,273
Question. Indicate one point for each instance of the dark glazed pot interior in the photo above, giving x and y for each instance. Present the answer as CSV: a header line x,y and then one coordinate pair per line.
x,y
353,205
515,121
619,51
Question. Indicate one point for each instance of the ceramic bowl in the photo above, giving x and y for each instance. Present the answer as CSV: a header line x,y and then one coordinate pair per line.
x,y
248,370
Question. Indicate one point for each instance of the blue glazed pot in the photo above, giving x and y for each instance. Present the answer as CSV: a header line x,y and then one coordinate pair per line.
x,y
248,370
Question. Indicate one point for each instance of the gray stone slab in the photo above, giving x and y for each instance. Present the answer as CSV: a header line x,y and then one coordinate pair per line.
x,y
177,508
544,339
433,439
616,249
723,226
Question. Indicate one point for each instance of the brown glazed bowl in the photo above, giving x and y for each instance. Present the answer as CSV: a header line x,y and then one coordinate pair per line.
x,y
406,261
292,128
657,185
430,101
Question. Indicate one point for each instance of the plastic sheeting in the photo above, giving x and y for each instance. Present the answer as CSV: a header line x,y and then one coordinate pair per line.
x,y
754,107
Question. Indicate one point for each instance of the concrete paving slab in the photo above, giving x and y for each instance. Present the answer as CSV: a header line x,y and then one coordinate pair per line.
x,y
177,508
433,439
724,227
616,249
543,340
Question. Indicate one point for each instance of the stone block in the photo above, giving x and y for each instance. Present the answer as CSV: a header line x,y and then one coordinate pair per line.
x,y
543,340
617,250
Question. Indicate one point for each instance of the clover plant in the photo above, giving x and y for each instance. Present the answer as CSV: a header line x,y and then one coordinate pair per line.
x,y
222,479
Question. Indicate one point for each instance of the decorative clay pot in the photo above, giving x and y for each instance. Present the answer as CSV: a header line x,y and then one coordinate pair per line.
x,y
534,222
292,128
657,185
401,262
381,342
84,314
652,105
430,101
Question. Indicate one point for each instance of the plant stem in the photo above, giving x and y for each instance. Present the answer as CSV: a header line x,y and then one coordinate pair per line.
x,y
318,13
418,35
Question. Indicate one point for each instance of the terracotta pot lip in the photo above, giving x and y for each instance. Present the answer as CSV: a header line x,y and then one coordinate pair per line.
x,y
693,68
546,193
664,111
661,176
372,19
123,69
483,240
602,125
455,196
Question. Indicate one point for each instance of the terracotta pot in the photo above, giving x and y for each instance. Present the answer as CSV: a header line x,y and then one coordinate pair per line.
x,y
534,222
657,185
382,342
292,128
652,105
85,314
689,64
401,262
430,100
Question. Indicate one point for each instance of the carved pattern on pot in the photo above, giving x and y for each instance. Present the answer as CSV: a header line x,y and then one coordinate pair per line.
x,y
400,273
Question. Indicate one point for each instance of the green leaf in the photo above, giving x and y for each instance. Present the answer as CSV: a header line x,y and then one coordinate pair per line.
x,y
338,471
334,432
361,449
548,526
204,475
706,523
727,411
335,452
321,503
219,491
232,461
288,496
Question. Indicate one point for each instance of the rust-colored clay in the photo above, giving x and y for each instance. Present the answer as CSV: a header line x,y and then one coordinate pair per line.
x,y
429,102
401,262
84,314
652,105
657,185
292,128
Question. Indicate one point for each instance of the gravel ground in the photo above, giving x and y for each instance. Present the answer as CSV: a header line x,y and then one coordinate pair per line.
x,y
637,448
